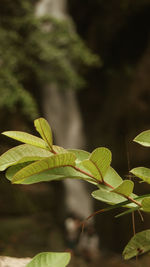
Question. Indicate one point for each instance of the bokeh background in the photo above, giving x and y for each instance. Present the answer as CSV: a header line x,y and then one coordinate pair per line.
x,y
84,66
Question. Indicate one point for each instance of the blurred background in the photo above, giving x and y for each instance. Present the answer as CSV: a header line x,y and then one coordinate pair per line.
x,y
84,66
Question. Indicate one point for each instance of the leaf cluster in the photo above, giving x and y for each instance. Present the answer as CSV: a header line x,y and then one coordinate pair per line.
x,y
39,160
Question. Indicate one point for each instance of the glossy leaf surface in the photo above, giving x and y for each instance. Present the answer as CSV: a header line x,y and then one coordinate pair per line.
x,y
50,259
22,153
26,138
44,130
139,244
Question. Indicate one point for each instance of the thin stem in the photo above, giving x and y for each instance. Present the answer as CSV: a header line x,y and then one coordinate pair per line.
x,y
134,232
133,223
53,151
110,186
102,182
90,216
88,174
134,201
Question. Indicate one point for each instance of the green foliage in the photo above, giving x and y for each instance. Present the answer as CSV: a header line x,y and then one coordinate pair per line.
x,y
139,244
58,173
44,130
112,177
36,51
50,259
22,153
55,161
108,197
146,204
143,173
112,198
80,154
143,138
40,160
125,188
26,138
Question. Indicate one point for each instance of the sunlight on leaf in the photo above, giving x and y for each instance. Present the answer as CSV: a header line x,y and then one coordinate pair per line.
x,y
26,138
101,157
97,163
58,173
22,153
44,130
55,161
44,176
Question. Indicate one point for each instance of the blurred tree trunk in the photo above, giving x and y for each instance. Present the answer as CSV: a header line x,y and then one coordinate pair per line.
x,y
60,108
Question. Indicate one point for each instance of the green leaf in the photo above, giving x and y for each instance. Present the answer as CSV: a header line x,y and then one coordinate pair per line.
x,y
26,138
111,197
125,188
101,158
50,259
59,149
59,173
44,130
22,153
112,177
92,169
143,173
108,197
146,204
55,161
97,164
138,245
80,154
143,138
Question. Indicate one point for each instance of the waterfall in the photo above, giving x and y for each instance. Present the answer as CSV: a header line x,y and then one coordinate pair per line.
x,y
60,108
